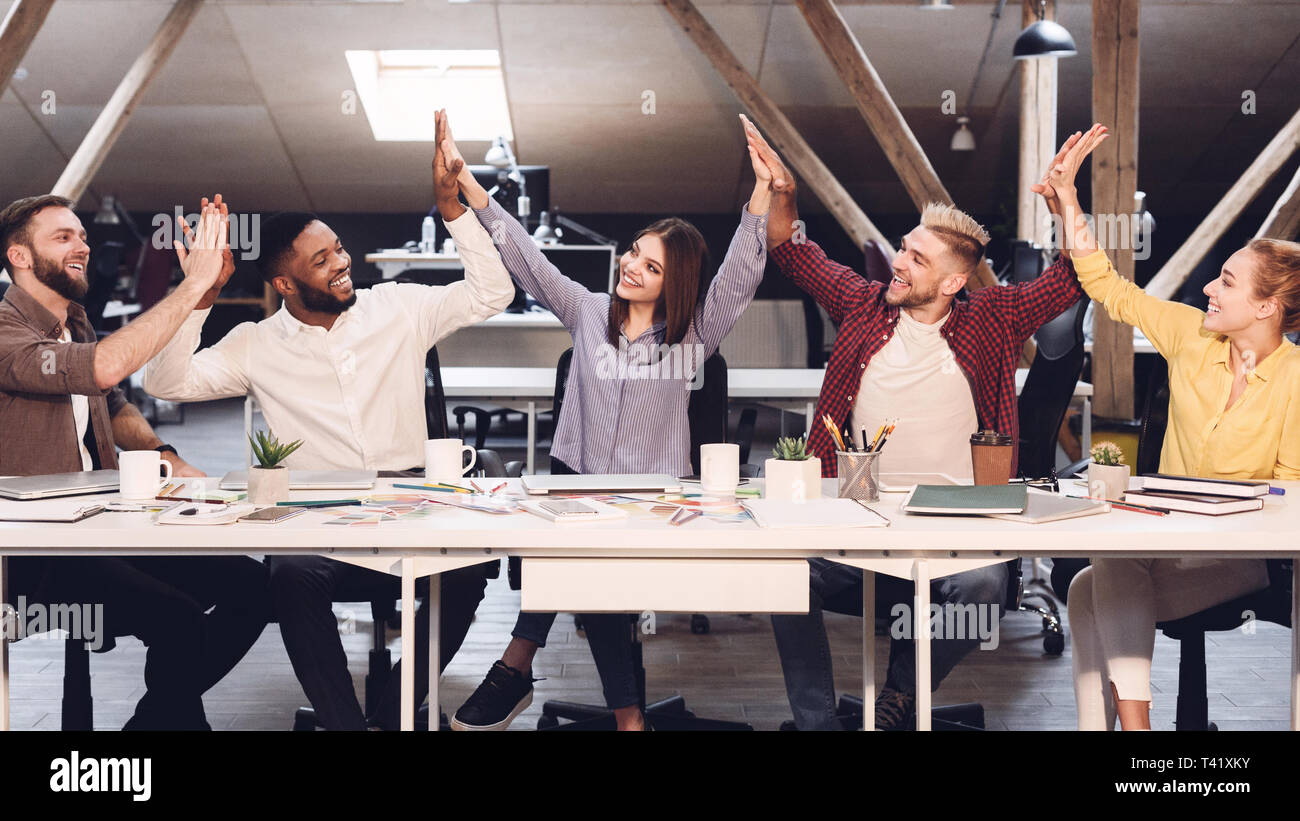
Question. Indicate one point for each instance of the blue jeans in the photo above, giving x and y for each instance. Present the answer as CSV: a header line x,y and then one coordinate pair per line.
x,y
806,653
608,634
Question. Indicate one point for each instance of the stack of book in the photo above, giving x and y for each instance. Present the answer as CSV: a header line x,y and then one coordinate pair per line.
x,y
1191,494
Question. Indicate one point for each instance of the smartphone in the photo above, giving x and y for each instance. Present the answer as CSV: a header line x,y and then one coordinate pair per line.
x,y
271,515
567,507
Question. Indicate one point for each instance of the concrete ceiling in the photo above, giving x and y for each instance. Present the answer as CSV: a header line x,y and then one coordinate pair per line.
x,y
250,102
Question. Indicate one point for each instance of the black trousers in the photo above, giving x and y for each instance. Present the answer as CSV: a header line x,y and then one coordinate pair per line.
x,y
198,615
303,589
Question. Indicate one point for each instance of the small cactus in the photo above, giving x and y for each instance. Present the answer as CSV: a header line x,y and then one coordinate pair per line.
x,y
791,449
1107,453
269,451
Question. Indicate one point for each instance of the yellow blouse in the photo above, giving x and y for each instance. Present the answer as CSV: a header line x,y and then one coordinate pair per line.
x,y
1259,436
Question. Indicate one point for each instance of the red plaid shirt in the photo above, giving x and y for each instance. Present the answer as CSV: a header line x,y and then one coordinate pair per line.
x,y
986,335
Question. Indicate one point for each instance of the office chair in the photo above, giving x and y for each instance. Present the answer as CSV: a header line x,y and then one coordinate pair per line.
x,y
707,413
383,611
1049,387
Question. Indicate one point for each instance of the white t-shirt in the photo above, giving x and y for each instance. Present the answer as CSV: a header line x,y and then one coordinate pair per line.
x,y
80,416
915,379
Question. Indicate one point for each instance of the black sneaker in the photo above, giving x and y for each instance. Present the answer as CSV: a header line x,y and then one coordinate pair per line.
x,y
895,710
502,696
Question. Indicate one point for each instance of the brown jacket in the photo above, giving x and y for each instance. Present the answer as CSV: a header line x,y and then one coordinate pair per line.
x,y
38,376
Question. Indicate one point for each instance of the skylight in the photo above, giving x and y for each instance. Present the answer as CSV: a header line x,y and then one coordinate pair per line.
x,y
400,90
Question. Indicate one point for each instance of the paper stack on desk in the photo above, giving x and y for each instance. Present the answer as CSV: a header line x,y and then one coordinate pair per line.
x,y
813,513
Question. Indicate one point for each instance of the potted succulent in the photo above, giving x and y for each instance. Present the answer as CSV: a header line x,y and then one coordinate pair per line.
x,y
268,480
1107,475
792,474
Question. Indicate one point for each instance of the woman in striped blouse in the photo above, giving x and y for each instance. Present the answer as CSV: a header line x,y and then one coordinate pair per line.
x,y
637,354
1234,413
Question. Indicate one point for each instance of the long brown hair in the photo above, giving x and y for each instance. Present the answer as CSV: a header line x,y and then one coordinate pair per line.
x,y
686,260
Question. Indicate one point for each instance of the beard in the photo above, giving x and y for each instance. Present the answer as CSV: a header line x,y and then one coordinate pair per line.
x,y
914,298
324,301
54,275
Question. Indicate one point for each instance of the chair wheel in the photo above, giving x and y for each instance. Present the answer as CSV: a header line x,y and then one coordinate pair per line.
x,y
546,722
304,725
1054,644
699,624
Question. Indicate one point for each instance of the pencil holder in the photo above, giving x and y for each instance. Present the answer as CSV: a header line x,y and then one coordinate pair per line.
x,y
859,475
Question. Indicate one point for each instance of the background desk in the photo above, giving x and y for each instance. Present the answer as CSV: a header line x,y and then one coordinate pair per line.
x,y
634,557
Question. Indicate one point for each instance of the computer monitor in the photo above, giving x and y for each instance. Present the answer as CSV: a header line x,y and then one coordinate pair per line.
x,y
537,185
592,266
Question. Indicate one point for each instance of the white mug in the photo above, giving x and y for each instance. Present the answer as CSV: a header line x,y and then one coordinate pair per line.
x,y
138,472
719,468
444,460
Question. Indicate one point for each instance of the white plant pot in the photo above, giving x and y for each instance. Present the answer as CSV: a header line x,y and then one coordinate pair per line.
x,y
792,481
1108,481
266,486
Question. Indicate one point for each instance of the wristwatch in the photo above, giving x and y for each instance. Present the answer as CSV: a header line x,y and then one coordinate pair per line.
x,y
164,448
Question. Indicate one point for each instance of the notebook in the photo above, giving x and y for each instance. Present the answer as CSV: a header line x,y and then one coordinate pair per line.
x,y
1194,484
602,483
1193,502
58,484
56,510
600,512
813,513
967,500
310,480
1049,507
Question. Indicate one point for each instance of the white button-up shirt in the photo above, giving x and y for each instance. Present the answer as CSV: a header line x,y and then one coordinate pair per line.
x,y
355,393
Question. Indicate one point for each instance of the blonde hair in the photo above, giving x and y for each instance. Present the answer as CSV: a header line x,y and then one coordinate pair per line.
x,y
964,236
1277,275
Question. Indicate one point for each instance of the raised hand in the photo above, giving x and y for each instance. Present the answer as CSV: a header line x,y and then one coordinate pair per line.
x,y
1058,183
474,193
208,257
782,181
447,166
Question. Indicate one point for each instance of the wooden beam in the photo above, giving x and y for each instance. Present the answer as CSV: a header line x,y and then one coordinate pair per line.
x,y
1114,184
779,129
85,163
882,115
1037,131
1173,273
17,32
1284,220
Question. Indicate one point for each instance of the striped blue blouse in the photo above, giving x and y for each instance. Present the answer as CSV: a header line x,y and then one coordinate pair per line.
x,y
625,407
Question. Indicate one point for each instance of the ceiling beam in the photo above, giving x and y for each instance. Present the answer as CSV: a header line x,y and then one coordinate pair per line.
x,y
1284,220
17,32
1114,186
1175,272
883,117
85,163
781,131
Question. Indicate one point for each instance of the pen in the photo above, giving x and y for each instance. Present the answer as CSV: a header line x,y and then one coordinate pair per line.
x,y
184,499
321,503
474,485
498,487
684,519
1150,511
431,488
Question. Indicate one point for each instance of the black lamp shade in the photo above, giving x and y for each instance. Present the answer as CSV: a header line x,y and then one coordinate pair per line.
x,y
1044,38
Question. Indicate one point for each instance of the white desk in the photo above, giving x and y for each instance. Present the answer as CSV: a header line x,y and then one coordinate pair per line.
x,y
793,389
711,568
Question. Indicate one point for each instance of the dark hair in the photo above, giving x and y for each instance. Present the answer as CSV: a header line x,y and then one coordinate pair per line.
x,y
686,261
278,235
17,216
1278,275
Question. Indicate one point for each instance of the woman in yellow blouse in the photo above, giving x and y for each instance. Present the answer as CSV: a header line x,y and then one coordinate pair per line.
x,y
1234,413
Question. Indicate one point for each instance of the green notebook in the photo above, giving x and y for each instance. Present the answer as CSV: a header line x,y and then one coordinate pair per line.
x,y
967,500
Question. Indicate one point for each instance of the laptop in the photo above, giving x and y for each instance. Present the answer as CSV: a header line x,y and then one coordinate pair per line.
x,y
603,483
59,484
310,480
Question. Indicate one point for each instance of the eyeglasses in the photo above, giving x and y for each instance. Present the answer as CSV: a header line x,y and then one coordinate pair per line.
x,y
1044,483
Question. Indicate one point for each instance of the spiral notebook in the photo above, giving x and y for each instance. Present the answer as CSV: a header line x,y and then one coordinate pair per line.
x,y
52,510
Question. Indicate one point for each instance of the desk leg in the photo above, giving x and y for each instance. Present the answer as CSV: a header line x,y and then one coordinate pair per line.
x,y
1087,424
4,649
868,651
532,436
435,649
921,634
408,644
1295,644
809,410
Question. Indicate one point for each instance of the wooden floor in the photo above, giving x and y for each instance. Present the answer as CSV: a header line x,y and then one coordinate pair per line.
x,y
730,673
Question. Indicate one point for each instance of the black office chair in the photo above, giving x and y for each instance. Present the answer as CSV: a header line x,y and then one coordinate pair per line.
x,y
383,611
707,412
1048,390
